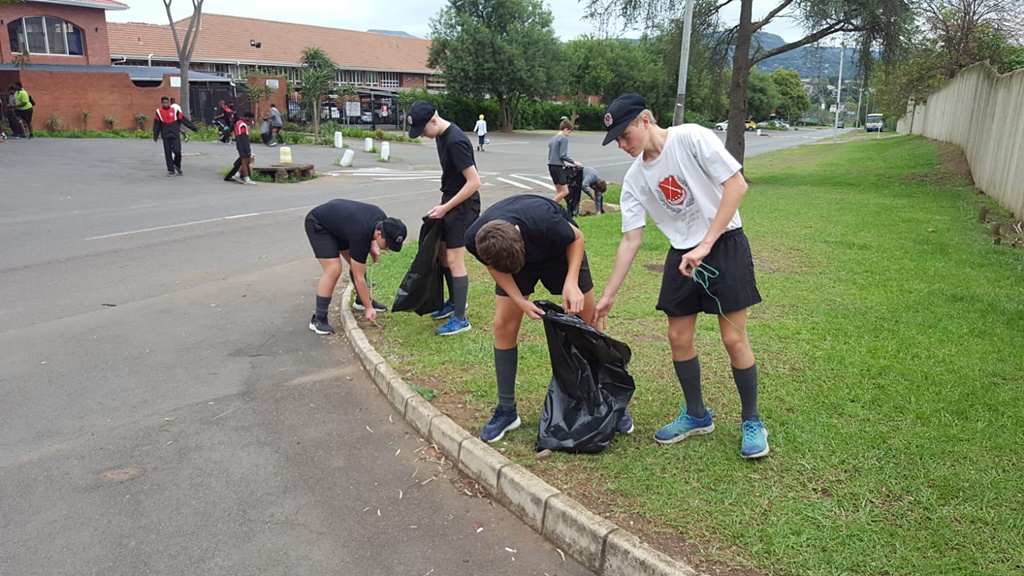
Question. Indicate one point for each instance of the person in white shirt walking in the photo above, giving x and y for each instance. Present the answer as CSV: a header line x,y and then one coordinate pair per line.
x,y
481,132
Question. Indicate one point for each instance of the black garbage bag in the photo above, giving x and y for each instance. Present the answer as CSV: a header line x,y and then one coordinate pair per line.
x,y
574,180
590,386
422,289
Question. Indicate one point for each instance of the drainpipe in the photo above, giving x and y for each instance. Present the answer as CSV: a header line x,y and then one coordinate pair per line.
x,y
150,60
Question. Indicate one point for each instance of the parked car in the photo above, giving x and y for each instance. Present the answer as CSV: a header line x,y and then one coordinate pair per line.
x,y
840,124
366,117
723,125
750,125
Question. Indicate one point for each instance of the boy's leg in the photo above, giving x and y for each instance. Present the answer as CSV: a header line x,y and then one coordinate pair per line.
x,y
456,259
686,363
744,367
324,291
176,151
507,320
168,155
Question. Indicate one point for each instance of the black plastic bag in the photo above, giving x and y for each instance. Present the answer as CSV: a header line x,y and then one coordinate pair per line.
x,y
590,386
422,289
574,180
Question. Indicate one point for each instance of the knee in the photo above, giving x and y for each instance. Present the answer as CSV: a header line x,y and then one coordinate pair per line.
x,y
736,344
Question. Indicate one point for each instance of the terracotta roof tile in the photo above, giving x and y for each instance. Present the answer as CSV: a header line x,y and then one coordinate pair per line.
x,y
105,4
226,39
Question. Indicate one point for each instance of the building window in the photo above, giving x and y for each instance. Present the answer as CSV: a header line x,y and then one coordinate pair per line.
x,y
389,79
45,35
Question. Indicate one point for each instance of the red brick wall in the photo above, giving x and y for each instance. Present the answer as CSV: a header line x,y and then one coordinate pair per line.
x,y
92,21
279,98
413,81
67,94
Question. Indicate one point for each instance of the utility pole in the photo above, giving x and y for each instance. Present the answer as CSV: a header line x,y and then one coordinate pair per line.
x,y
684,60
839,92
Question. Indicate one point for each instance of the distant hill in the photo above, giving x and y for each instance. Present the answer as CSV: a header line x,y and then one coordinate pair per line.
x,y
808,61
393,33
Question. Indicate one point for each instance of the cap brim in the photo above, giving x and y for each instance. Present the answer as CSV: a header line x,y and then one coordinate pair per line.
x,y
415,131
614,133
394,247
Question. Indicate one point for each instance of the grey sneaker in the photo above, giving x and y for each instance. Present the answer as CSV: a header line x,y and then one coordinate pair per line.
x,y
320,325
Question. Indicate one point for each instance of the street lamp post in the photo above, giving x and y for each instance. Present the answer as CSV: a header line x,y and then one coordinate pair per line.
x,y
255,49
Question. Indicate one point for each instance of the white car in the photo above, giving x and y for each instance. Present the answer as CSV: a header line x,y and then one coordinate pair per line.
x,y
723,125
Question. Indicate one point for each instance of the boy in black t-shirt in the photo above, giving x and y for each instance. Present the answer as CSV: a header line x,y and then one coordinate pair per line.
x,y
459,206
243,164
524,239
350,230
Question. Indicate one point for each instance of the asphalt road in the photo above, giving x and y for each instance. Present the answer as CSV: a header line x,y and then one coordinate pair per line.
x,y
165,409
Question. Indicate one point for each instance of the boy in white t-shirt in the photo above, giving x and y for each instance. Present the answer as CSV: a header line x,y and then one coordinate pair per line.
x,y
685,180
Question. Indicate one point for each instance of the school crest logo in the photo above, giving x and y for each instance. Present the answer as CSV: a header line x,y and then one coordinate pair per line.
x,y
607,120
674,192
408,119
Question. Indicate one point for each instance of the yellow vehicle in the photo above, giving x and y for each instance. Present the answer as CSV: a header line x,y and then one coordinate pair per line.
x,y
750,125
874,123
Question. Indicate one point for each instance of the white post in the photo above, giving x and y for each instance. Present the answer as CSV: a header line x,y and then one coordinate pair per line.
x,y
368,145
346,158
385,151
338,140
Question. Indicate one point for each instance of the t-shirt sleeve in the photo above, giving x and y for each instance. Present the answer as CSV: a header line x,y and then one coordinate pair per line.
x,y
461,154
358,249
470,239
712,155
633,214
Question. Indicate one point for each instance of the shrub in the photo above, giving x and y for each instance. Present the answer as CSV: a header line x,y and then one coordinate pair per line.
x,y
141,120
110,120
53,123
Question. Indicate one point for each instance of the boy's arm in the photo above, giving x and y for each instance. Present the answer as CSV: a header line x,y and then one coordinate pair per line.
x,y
628,248
733,191
508,284
359,275
156,128
572,296
472,185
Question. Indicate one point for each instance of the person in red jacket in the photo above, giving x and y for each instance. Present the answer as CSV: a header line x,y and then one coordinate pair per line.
x,y
167,125
240,171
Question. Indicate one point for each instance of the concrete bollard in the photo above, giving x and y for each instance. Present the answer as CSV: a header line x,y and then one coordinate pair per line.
x,y
338,140
286,155
346,158
385,151
368,145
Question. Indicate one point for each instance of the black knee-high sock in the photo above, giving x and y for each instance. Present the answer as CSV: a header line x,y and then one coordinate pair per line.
x,y
322,303
746,384
448,280
460,293
688,372
506,363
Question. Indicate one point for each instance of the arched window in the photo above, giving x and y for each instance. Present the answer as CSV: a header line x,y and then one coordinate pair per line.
x,y
45,35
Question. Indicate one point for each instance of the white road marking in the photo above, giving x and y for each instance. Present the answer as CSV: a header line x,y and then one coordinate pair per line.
x,y
516,184
547,185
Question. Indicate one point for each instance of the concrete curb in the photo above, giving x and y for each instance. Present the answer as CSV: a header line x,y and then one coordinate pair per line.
x,y
591,540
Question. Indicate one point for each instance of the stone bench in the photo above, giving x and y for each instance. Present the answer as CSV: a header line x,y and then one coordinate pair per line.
x,y
282,172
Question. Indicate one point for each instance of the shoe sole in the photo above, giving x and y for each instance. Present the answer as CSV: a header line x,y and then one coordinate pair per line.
x,y
454,332
442,317
318,331
362,308
508,428
630,431
681,437
767,449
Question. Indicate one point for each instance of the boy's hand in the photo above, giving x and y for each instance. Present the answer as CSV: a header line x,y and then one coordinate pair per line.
x,y
604,306
530,309
692,259
437,212
370,314
572,298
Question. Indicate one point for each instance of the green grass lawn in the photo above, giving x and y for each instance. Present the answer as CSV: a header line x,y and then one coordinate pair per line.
x,y
892,378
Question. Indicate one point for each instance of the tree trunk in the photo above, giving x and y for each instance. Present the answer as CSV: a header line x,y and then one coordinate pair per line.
x,y
183,101
735,139
506,114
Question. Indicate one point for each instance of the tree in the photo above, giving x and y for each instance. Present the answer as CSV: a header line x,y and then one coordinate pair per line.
x,y
185,47
793,101
874,23
968,31
317,76
505,49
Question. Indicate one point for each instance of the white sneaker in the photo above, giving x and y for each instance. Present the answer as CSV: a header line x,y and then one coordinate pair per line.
x,y
248,181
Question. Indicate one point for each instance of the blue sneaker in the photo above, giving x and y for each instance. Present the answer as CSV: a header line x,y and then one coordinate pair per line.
x,y
453,326
447,309
755,439
685,426
625,424
504,420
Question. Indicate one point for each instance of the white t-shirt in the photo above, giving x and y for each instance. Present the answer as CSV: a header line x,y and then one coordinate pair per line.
x,y
480,128
681,189
176,108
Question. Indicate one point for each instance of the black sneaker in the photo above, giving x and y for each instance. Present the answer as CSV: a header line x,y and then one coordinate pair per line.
x,y
169,174
358,305
178,170
320,325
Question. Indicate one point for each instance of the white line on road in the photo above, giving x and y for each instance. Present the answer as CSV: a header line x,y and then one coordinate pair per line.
x,y
516,184
183,224
547,185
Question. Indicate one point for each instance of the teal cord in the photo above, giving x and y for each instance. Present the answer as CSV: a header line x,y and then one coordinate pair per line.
x,y
701,275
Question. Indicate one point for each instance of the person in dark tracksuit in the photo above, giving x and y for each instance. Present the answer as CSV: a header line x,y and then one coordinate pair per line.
x,y
167,125
240,171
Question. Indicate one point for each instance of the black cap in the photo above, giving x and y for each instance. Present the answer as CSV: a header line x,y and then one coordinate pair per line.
x,y
394,233
622,111
419,114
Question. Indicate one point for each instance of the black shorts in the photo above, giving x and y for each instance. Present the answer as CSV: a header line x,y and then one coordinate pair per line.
x,y
734,286
557,174
552,275
482,138
458,220
325,244
25,115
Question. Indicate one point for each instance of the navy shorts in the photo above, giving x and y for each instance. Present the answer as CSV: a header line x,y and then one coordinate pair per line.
x,y
557,174
458,220
735,286
552,275
325,244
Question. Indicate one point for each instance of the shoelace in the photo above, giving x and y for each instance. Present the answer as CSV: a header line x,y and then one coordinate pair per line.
x,y
751,432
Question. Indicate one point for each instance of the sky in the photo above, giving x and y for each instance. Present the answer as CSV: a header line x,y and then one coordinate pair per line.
x,y
412,16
